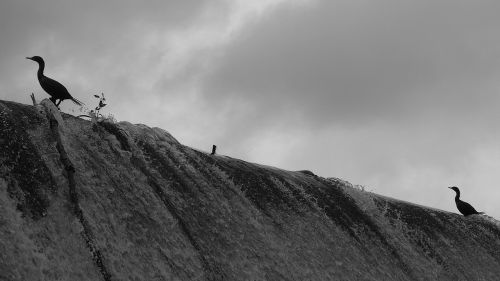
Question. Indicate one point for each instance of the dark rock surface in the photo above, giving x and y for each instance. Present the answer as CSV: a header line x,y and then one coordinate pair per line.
x,y
129,202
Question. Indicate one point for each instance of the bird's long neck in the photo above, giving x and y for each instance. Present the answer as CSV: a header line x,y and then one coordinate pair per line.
x,y
41,67
457,196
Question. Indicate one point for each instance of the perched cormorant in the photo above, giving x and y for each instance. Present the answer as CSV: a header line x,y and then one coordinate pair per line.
x,y
465,208
55,89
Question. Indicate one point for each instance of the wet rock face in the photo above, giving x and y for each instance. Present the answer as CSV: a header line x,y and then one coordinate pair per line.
x,y
138,205
29,180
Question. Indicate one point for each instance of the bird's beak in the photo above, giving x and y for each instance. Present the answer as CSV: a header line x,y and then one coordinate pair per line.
x,y
449,187
29,58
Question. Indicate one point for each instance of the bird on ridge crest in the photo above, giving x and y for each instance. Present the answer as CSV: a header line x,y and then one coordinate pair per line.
x,y
55,89
465,208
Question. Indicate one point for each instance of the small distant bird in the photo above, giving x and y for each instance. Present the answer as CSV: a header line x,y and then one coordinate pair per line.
x,y
55,89
465,208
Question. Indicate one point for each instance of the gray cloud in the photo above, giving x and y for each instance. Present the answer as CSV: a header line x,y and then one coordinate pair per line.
x,y
89,45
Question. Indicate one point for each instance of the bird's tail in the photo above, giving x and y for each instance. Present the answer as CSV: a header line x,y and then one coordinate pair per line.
x,y
77,102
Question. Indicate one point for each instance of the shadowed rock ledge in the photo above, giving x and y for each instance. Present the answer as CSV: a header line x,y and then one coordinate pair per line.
x,y
83,201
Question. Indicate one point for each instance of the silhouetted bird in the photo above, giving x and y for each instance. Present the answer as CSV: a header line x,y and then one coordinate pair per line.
x,y
465,208
55,89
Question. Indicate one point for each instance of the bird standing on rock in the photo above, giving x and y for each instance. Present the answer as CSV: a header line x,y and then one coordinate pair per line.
x,y
55,89
465,208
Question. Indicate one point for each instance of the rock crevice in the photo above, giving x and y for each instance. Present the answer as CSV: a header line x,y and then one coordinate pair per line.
x,y
56,125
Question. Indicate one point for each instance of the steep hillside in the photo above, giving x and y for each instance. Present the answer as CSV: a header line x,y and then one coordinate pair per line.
x,y
84,201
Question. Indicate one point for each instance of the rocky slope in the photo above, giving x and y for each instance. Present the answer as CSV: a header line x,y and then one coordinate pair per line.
x,y
87,201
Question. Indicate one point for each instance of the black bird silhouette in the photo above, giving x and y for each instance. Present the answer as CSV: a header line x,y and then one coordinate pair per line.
x,y
465,208
55,89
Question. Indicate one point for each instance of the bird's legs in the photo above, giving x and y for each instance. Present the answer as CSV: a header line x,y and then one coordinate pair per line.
x,y
53,100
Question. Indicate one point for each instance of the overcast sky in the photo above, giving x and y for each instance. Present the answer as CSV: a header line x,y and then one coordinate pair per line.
x,y
400,96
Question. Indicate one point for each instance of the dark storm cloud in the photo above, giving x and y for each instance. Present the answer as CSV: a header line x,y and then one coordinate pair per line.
x,y
91,23
360,61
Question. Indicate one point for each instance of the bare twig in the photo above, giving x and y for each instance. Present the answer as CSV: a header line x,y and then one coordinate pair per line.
x,y
33,99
